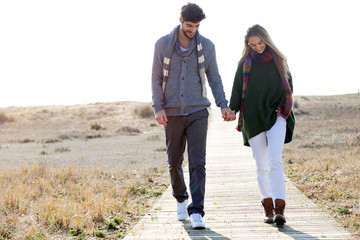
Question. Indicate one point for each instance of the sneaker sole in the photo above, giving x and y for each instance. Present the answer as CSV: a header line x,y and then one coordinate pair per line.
x,y
199,227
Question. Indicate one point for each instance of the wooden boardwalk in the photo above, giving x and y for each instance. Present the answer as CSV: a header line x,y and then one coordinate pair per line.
x,y
232,202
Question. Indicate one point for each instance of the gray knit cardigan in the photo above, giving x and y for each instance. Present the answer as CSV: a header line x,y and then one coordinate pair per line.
x,y
183,92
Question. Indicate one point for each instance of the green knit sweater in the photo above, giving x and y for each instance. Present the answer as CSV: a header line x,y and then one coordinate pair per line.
x,y
265,92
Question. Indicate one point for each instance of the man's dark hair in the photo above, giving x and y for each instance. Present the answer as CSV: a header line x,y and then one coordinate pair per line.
x,y
192,13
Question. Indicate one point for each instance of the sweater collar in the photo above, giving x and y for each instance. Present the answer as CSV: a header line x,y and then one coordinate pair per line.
x,y
190,49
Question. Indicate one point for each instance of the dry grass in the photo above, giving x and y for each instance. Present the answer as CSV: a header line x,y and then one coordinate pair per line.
x,y
42,201
324,158
145,111
70,169
4,118
74,121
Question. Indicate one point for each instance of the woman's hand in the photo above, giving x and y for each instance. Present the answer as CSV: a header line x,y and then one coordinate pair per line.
x,y
227,114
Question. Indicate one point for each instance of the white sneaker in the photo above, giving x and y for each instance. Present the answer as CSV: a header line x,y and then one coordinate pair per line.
x,y
197,221
182,210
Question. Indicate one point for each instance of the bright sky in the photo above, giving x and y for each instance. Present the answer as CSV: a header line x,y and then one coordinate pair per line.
x,y
82,51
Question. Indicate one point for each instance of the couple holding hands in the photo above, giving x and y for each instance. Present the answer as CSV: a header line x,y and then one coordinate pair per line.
x,y
261,93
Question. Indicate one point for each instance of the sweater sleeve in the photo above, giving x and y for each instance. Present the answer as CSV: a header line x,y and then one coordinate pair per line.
x,y
237,90
156,77
290,83
214,79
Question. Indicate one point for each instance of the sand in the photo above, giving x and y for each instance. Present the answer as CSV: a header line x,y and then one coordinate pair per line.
x,y
119,135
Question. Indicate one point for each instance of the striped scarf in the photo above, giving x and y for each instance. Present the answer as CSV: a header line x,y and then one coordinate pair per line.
x,y
284,109
170,48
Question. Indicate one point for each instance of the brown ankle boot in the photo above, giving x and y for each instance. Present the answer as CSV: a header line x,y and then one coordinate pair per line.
x,y
269,210
279,212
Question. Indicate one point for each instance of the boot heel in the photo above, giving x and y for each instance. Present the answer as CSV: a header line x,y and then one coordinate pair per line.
x,y
279,219
279,212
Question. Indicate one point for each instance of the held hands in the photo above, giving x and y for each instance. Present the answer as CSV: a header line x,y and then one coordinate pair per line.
x,y
227,114
161,117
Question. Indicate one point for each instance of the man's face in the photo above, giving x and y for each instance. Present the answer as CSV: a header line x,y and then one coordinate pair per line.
x,y
190,28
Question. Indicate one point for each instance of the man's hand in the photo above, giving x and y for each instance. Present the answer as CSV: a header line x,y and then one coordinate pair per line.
x,y
161,118
227,114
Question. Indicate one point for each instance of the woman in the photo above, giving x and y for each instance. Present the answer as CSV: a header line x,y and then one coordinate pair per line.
x,y
262,92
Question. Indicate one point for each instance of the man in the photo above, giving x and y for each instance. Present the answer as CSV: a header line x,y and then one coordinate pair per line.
x,y
181,60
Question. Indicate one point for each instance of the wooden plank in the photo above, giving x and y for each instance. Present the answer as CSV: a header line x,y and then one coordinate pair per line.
x,y
232,202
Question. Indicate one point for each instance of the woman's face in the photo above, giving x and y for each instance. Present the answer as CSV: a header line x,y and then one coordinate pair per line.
x,y
257,44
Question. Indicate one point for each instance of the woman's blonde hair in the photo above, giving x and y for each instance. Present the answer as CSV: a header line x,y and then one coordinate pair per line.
x,y
257,30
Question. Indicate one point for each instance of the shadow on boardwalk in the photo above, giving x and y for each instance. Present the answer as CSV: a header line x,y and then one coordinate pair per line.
x,y
209,234
297,235
206,233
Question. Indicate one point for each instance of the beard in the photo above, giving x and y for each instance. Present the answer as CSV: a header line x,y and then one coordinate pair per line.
x,y
186,34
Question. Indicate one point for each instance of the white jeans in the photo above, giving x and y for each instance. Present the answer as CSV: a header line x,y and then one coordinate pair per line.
x,y
267,148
